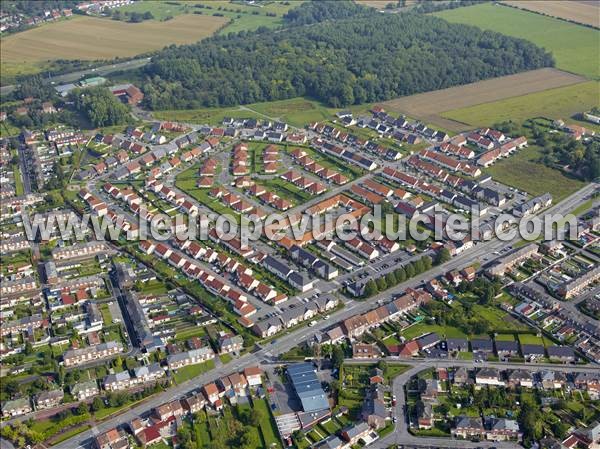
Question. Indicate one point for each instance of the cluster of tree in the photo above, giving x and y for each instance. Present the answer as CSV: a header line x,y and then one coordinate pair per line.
x,y
22,433
101,107
241,431
133,17
463,318
320,11
397,276
560,150
33,86
362,59
530,421
483,289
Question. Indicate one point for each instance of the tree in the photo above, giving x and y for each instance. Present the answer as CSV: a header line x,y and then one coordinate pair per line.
x,y
419,267
410,270
400,275
381,283
442,256
97,404
390,279
101,107
337,357
370,288
9,386
82,409
383,366
392,57
256,417
530,420
427,262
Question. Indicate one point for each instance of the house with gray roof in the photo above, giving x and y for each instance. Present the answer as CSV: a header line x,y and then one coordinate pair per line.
x,y
457,344
482,345
533,352
507,348
300,281
563,353
428,341
467,427
501,429
277,267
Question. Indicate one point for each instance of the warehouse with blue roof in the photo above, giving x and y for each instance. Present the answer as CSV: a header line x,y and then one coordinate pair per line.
x,y
307,386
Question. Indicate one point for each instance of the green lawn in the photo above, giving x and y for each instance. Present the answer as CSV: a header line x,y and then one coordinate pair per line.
x,y
530,339
523,171
160,10
70,433
505,337
191,371
210,116
186,181
497,318
106,317
560,103
423,328
574,47
18,181
295,111
225,358
465,355
267,425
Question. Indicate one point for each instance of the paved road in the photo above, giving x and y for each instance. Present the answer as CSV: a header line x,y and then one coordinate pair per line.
x,y
99,71
284,343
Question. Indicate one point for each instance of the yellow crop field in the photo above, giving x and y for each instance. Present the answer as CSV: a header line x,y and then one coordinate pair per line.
x,y
90,38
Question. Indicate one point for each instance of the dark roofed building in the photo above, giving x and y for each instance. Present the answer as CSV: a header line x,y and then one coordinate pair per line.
x,y
428,341
457,344
564,353
506,348
533,351
482,345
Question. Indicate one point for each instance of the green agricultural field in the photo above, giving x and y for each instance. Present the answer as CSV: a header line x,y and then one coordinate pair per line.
x,y
575,48
244,17
524,172
560,103
160,10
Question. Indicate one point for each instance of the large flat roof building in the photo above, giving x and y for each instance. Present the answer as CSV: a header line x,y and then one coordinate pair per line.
x,y
308,387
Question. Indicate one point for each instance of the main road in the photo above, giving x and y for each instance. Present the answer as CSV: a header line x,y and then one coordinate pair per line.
x,y
479,253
